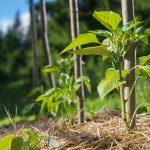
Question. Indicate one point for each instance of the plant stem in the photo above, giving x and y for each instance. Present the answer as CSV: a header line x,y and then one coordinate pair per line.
x,y
135,113
123,106
123,109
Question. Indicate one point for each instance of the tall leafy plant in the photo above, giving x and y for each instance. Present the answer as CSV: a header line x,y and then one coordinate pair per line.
x,y
117,42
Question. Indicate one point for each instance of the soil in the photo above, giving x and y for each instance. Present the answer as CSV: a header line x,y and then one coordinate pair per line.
x,y
103,132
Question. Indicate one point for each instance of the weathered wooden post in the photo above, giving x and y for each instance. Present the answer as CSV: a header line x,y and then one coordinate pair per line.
x,y
74,19
128,15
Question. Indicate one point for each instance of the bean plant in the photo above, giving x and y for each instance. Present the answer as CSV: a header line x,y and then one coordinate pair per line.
x,y
117,41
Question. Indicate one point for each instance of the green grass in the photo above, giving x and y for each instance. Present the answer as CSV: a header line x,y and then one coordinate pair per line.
x,y
6,121
97,104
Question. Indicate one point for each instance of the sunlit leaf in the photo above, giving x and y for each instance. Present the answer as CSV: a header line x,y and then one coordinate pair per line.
x,y
147,105
147,32
130,25
108,18
144,59
5,142
82,39
110,45
104,33
106,86
53,106
96,50
33,138
144,39
51,68
111,74
144,71
46,94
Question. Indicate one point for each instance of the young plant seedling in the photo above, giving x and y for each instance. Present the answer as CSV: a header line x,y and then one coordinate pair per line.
x,y
61,100
117,42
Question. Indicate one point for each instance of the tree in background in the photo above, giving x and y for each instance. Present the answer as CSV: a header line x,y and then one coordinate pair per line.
x,y
34,45
45,41
128,15
16,55
77,59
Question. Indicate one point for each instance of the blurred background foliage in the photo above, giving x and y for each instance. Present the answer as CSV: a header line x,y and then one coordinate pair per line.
x,y
16,54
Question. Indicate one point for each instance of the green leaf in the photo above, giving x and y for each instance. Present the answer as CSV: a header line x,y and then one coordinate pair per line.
x,y
147,105
51,68
44,104
50,99
16,143
110,45
97,50
136,32
112,74
147,32
48,93
108,18
104,33
82,39
106,86
53,106
144,39
144,71
130,25
86,81
144,59
5,142
70,108
33,138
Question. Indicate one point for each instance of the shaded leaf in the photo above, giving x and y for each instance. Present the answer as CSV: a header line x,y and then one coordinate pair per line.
x,y
108,18
16,143
86,81
27,108
106,86
137,30
46,94
82,39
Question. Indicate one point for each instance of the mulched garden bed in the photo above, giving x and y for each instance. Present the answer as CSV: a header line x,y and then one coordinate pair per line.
x,y
103,132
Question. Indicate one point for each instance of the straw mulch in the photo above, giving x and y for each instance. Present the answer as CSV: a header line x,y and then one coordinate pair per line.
x,y
103,132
